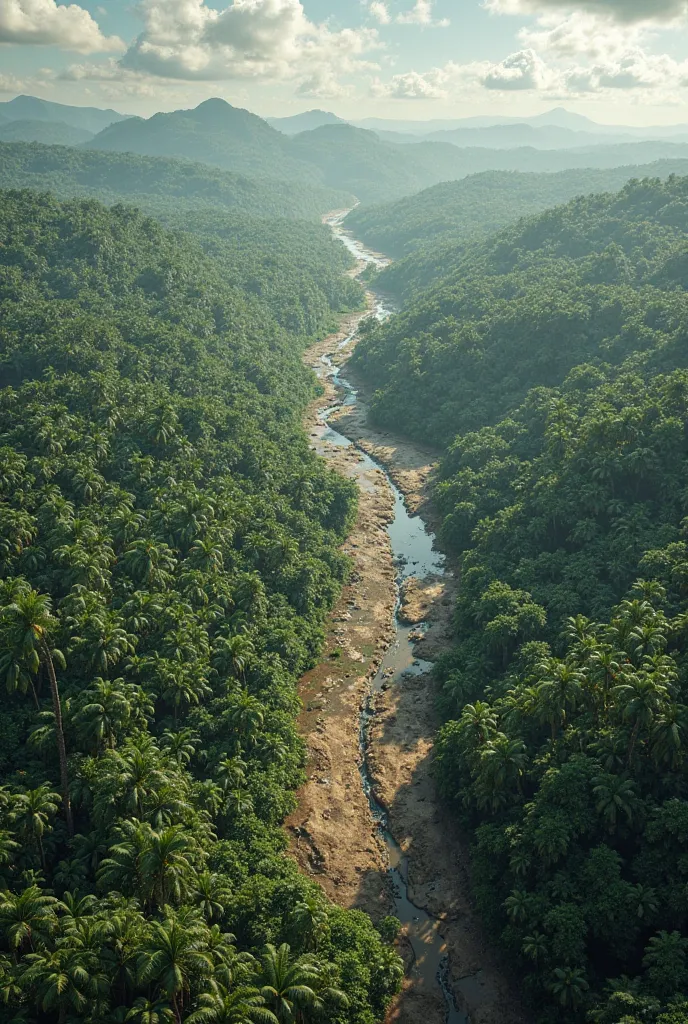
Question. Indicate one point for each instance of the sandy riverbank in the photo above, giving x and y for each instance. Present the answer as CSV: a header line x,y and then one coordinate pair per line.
x,y
333,835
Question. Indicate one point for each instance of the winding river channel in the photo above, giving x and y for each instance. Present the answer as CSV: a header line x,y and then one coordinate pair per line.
x,y
414,555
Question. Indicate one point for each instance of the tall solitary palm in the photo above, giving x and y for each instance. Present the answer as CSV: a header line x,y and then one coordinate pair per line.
x,y
25,639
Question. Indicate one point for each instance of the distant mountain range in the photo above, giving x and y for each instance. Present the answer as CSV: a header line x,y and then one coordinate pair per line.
x,y
305,122
320,148
559,117
30,108
342,156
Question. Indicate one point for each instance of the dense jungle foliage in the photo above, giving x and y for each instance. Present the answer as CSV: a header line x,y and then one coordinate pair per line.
x,y
556,353
161,185
452,213
598,280
168,549
294,266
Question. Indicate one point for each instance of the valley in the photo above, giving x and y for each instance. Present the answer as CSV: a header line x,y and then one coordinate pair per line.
x,y
343,558
368,825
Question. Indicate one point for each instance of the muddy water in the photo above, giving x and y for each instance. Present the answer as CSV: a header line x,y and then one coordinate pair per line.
x,y
414,555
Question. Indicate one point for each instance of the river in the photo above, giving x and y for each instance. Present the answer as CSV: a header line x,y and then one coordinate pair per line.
x,y
414,555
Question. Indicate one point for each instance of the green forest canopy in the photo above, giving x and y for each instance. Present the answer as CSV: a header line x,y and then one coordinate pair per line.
x,y
550,364
293,266
169,547
454,212
161,184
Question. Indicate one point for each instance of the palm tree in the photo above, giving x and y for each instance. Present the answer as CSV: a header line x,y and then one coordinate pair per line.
x,y
140,773
32,812
123,932
247,716
667,735
502,763
27,916
181,745
290,987
535,946
241,1005
480,722
518,905
151,1011
645,898
150,563
107,712
559,692
75,910
167,864
643,698
211,893
26,627
231,773
569,984
239,802
69,977
231,654
615,795
665,962
108,643
173,956
311,922
122,866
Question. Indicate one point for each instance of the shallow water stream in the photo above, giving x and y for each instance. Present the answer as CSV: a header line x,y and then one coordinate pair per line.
x,y
413,553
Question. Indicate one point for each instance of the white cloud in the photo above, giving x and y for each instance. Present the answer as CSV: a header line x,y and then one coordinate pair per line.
x,y
522,70
9,83
380,12
582,34
651,77
622,11
636,70
435,84
594,46
45,23
413,86
421,14
260,39
323,85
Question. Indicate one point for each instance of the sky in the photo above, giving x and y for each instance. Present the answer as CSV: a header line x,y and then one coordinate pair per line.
x,y
617,61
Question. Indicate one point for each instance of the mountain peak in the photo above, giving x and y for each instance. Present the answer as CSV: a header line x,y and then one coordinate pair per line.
x,y
307,121
215,103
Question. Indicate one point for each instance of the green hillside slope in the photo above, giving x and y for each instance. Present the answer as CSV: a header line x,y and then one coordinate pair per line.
x,y
160,184
480,205
572,285
49,133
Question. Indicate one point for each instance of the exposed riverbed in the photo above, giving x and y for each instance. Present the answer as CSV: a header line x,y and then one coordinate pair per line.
x,y
367,823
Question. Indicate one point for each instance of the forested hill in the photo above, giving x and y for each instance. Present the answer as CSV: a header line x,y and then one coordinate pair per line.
x,y
557,351
168,550
161,185
454,212
249,227
596,280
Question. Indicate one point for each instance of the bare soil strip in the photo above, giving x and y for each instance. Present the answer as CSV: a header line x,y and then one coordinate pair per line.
x,y
333,834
